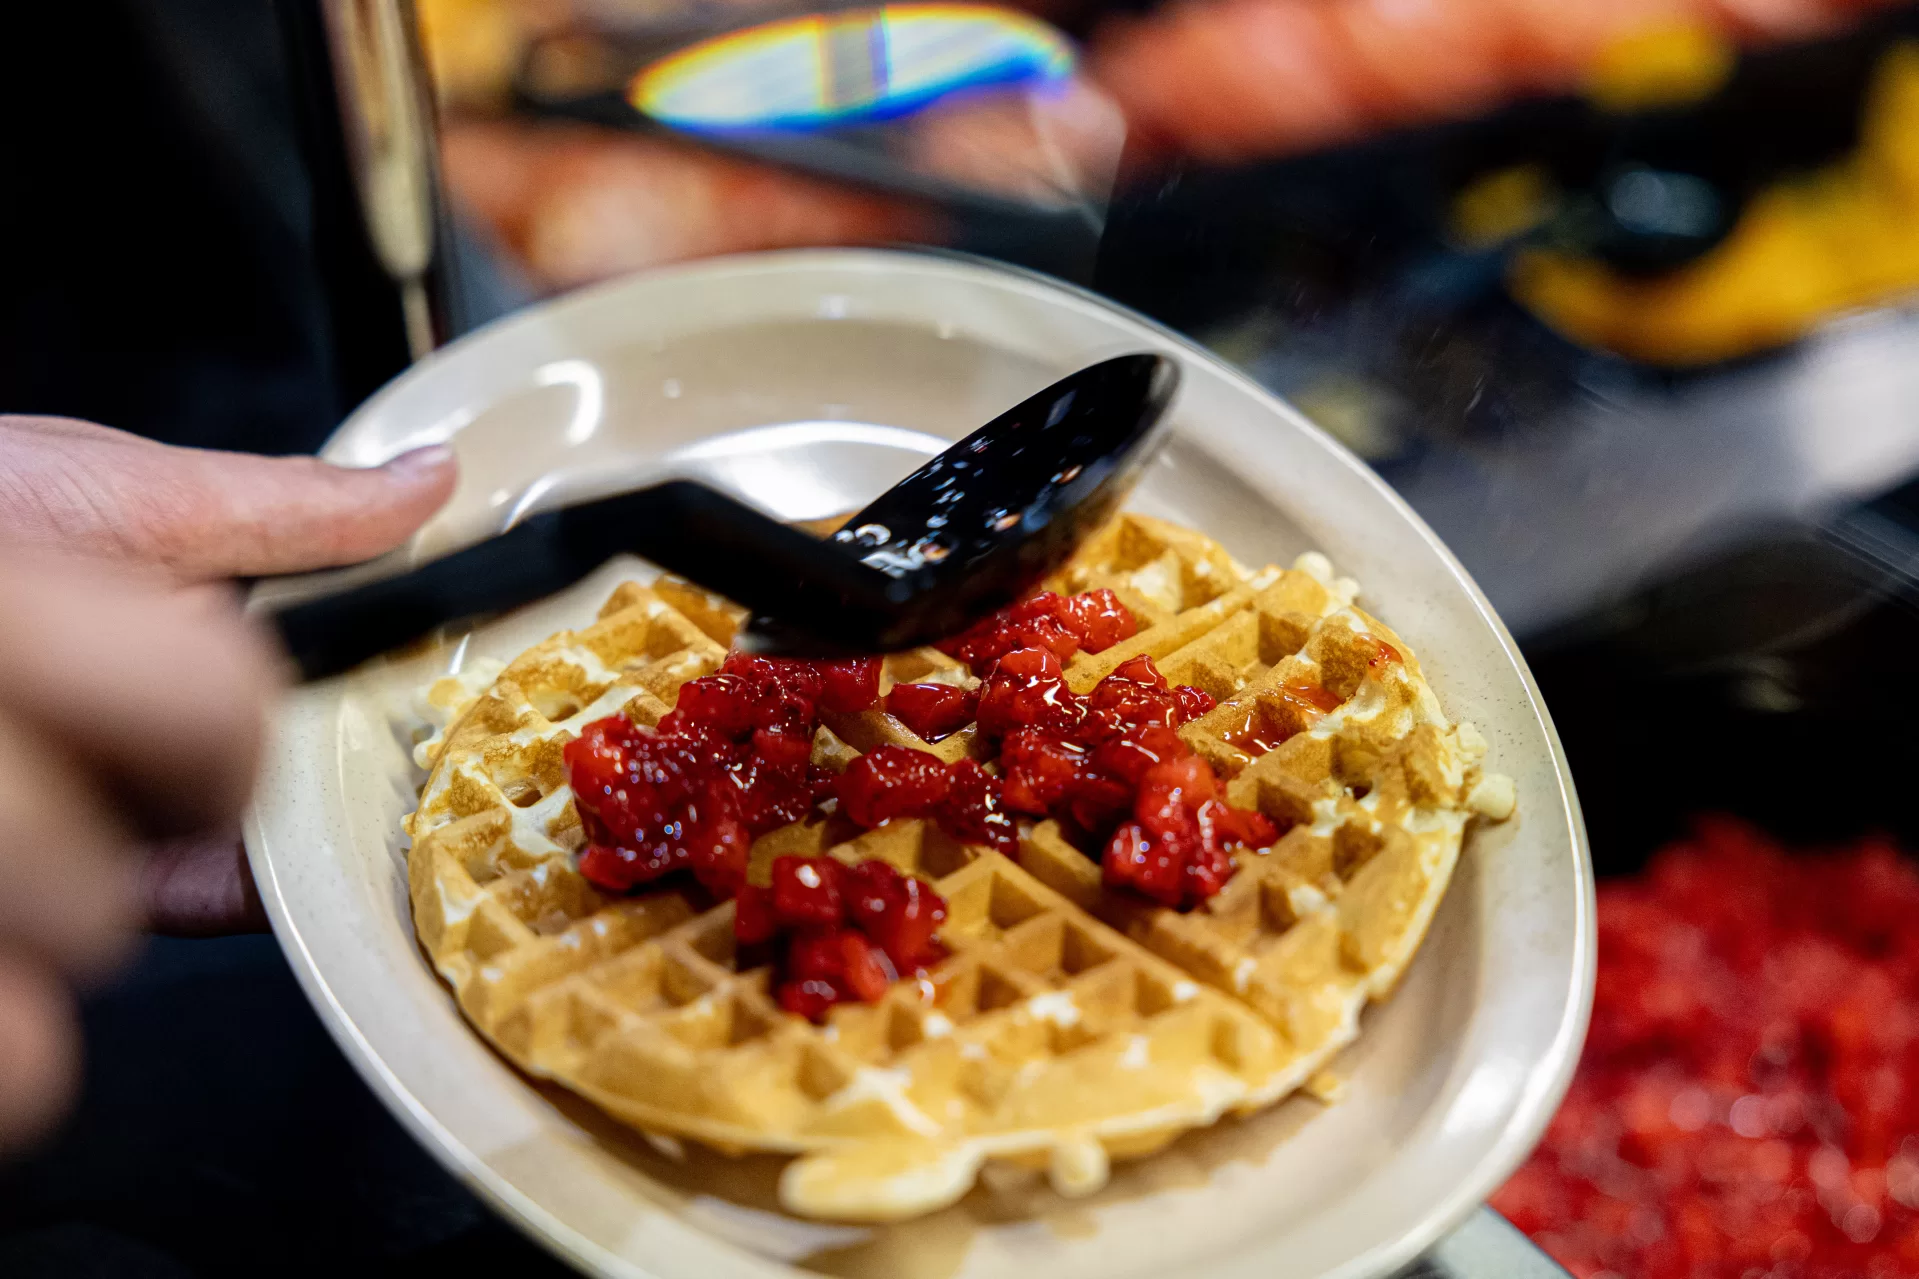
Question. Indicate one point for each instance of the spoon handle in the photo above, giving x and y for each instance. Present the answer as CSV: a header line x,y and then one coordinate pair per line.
x,y
681,525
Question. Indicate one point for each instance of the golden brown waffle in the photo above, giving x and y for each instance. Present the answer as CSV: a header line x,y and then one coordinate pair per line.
x,y
1071,1025
1373,797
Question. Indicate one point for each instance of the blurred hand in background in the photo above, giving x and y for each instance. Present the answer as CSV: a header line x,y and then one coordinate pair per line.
x,y
133,697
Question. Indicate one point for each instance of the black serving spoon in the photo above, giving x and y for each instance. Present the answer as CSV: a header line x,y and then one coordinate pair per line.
x,y
967,533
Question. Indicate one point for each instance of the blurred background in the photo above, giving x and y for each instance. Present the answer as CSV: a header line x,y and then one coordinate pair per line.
x,y
1619,294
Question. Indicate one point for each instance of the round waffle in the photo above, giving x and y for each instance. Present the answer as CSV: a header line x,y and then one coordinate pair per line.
x,y
1071,1024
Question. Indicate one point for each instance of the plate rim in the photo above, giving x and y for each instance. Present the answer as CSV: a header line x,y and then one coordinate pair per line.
x,y
1547,1081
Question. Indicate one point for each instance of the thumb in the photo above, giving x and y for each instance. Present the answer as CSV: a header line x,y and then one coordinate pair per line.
x,y
204,514
237,515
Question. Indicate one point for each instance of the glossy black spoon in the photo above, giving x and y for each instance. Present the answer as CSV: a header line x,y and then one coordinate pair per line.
x,y
965,534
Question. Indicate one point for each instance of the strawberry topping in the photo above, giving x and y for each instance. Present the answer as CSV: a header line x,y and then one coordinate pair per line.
x,y
839,933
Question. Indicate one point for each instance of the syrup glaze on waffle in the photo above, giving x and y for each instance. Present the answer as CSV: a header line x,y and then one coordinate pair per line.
x,y
1072,1024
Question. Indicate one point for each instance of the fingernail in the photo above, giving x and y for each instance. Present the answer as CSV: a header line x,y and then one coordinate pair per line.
x,y
418,461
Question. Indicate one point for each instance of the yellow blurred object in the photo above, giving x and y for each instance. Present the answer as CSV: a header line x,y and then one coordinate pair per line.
x,y
474,46
1661,66
1843,238
1501,205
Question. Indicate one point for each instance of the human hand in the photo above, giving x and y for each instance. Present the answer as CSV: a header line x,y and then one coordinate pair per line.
x,y
75,488
178,520
129,710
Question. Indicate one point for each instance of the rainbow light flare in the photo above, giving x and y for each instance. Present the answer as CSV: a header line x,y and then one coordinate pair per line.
x,y
849,67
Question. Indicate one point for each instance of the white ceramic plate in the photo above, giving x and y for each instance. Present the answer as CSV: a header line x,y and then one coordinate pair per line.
x,y
808,382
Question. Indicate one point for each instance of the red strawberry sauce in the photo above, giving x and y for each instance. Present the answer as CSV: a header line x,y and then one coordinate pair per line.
x,y
1748,1100
732,761
838,933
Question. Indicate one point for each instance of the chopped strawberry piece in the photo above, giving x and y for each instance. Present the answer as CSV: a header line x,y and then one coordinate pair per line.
x,y
815,954
1193,702
791,676
895,782
1097,619
872,889
617,870
785,713
771,795
1025,625
825,966
1236,827
900,913
1098,801
1207,869
867,972
784,692
1025,690
1136,702
1176,784
972,811
596,759
1039,622
723,701
1134,860
1171,824
932,711
822,784
1139,670
754,921
1031,663
891,782
782,749
717,850
1129,756
806,892
810,998
850,685
1038,770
